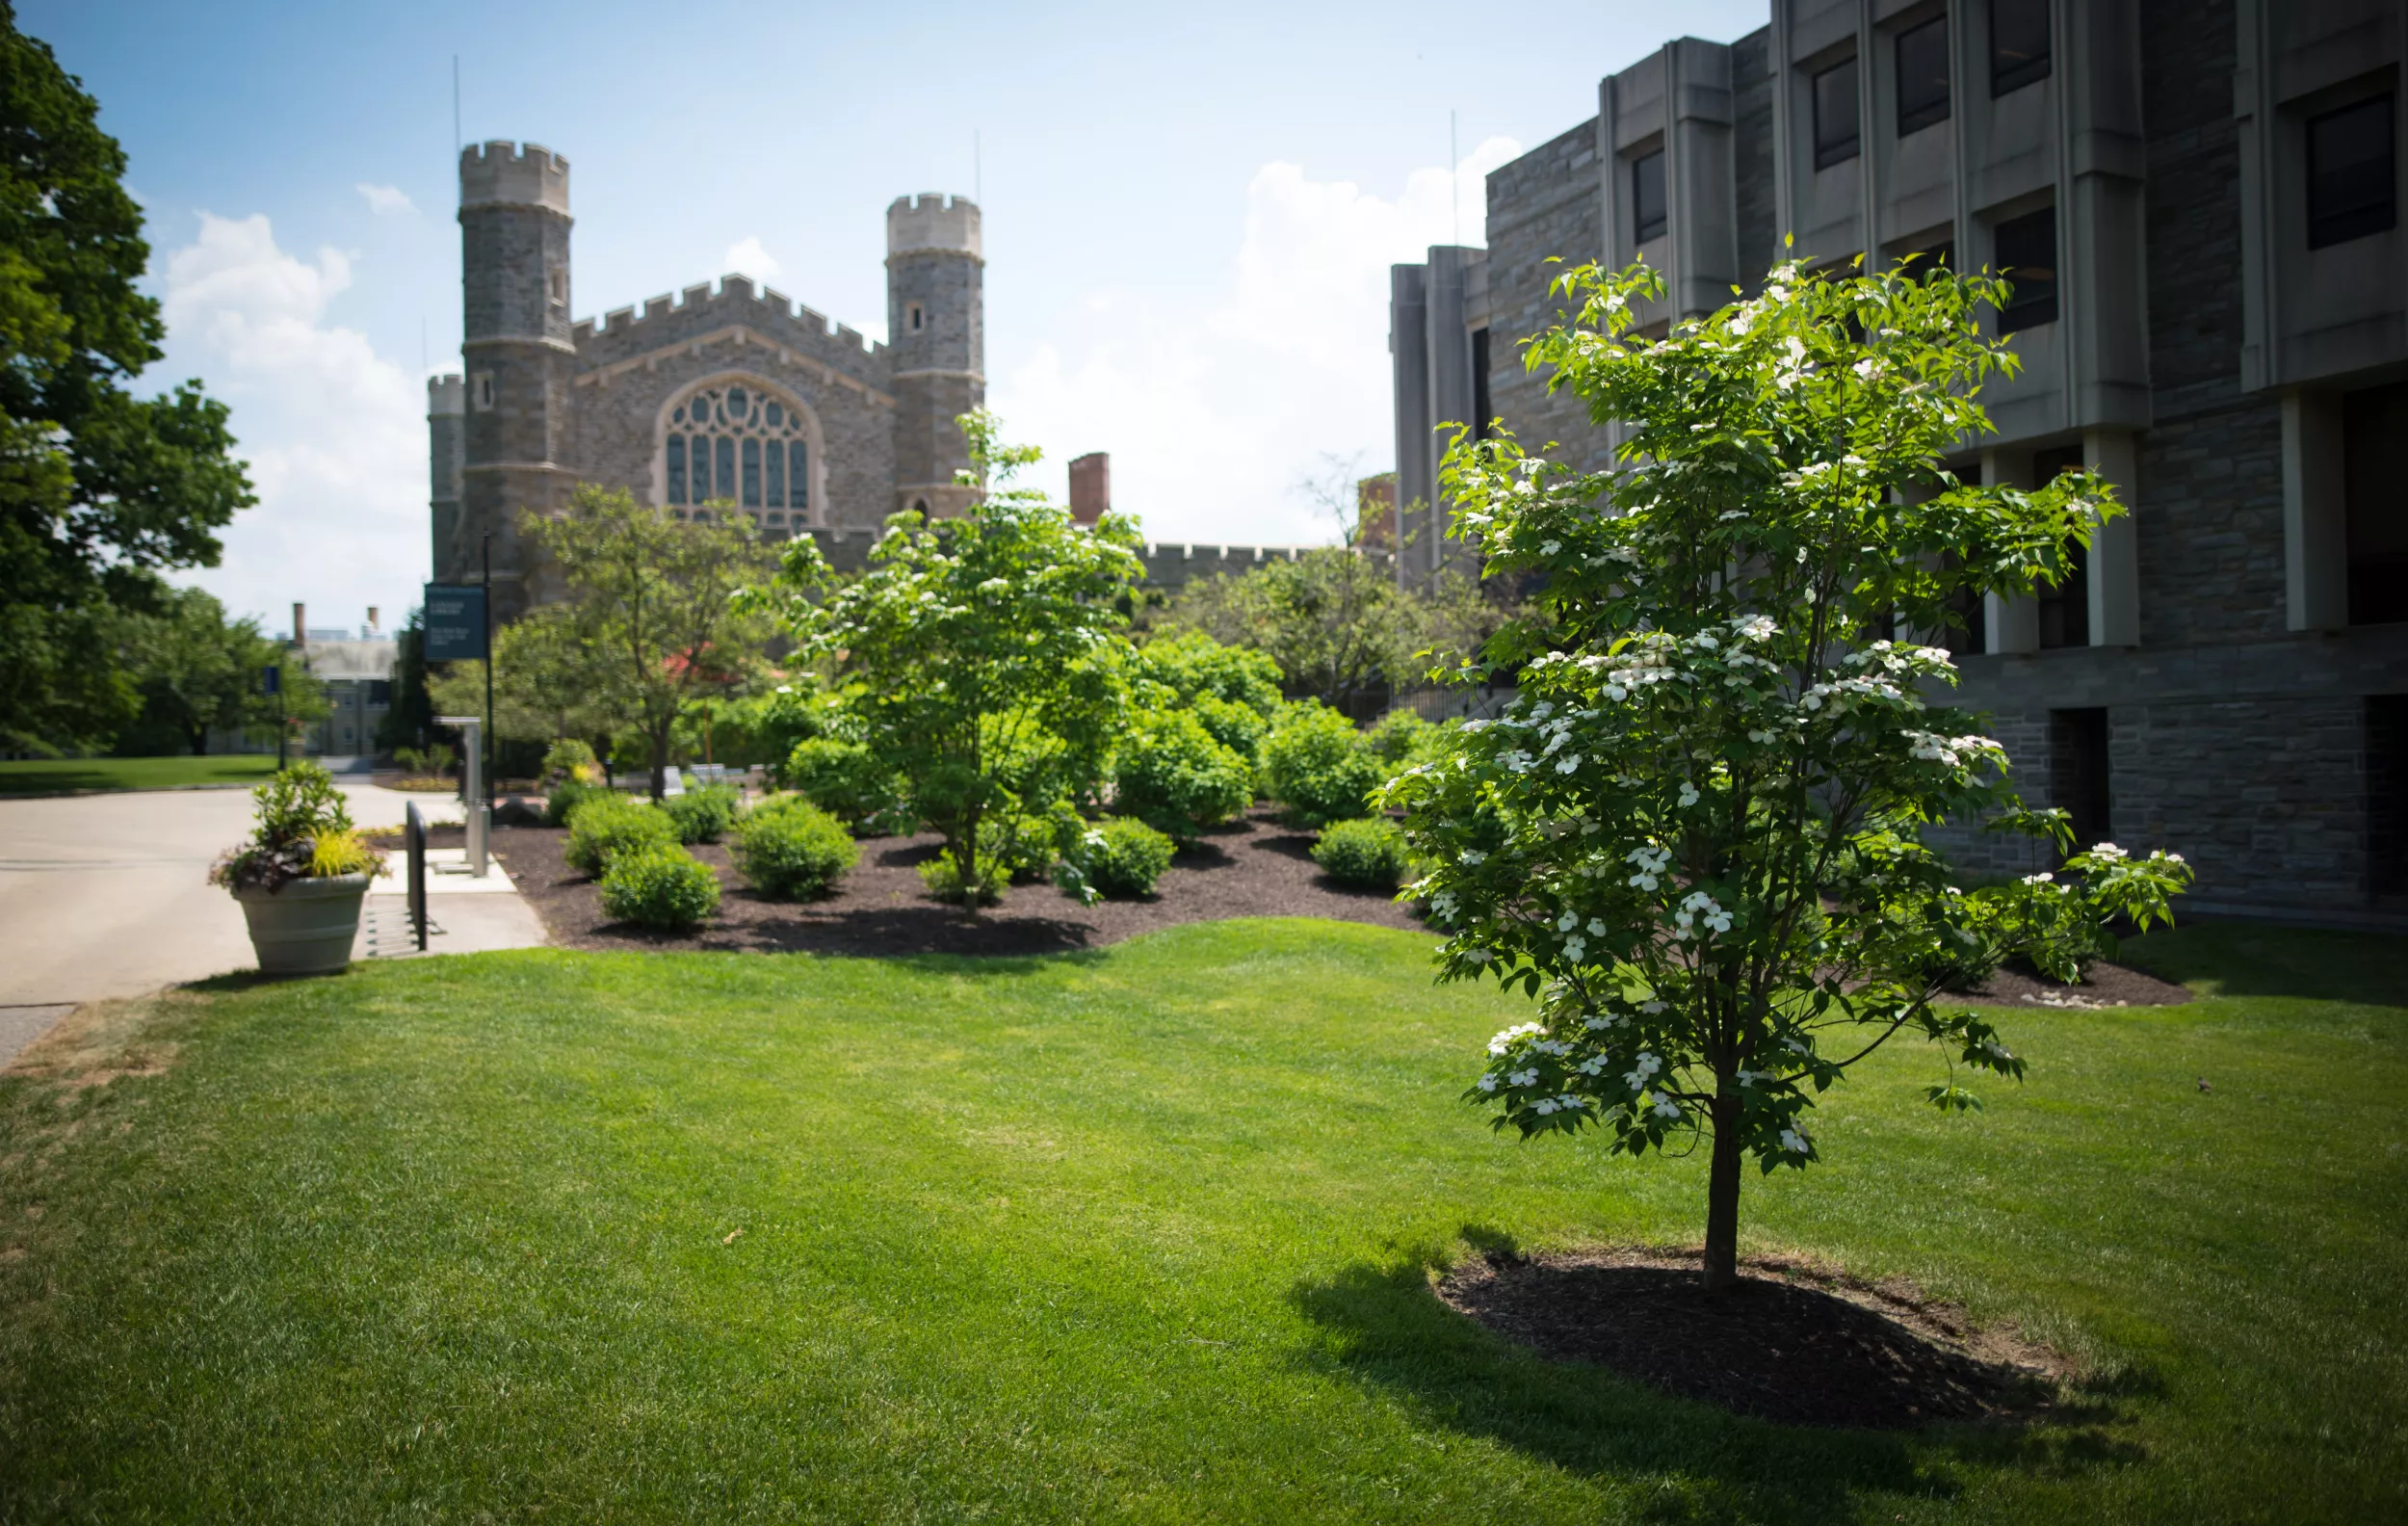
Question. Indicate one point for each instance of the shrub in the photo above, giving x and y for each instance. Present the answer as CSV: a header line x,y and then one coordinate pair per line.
x,y
789,849
1196,666
1175,777
296,808
1031,845
704,815
567,798
610,824
1369,852
1316,766
942,874
1239,728
570,761
660,885
842,778
1401,739
1122,857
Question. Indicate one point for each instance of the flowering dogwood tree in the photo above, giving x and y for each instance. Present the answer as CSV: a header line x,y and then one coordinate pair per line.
x,y
1693,837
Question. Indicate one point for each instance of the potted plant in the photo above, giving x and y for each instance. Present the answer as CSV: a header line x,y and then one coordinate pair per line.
x,y
301,876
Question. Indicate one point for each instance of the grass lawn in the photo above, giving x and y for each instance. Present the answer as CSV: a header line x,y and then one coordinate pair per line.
x,y
45,776
1142,1234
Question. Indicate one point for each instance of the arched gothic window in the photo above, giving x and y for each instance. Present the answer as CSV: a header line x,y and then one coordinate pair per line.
x,y
735,443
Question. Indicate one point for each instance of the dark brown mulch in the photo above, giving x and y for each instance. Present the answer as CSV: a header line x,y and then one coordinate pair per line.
x,y
1252,868
1793,1343
2107,985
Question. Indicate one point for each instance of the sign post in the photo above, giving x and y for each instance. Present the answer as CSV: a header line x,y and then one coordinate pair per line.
x,y
272,684
460,626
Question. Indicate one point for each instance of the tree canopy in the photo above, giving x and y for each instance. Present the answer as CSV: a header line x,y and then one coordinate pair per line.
x,y
99,490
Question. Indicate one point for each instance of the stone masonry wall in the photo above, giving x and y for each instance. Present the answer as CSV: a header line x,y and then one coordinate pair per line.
x,y
618,421
623,334
1543,205
1751,156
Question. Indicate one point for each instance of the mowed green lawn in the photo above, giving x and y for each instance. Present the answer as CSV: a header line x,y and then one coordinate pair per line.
x,y
52,776
1139,1235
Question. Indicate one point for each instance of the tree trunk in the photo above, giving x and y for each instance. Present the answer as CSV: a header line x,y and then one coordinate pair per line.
x,y
660,766
1722,1198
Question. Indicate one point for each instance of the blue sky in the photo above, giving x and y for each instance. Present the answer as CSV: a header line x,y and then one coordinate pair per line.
x,y
1189,213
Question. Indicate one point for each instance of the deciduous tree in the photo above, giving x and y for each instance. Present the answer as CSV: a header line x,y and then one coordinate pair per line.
x,y
1695,839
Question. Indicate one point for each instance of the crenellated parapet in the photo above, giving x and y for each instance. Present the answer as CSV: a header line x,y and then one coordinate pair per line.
x,y
933,223
503,173
1173,565
625,334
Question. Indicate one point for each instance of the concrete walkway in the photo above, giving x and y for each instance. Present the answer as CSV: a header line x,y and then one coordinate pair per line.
x,y
106,896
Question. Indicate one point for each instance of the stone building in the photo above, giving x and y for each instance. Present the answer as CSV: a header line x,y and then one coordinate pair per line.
x,y
738,395
2198,202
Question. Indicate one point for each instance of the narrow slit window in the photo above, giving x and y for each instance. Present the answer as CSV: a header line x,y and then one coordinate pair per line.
x,y
2019,44
678,468
2374,454
2025,250
752,474
1836,137
1923,76
2353,185
914,317
1648,212
1481,406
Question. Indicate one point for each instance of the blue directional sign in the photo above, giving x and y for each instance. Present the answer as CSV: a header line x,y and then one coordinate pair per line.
x,y
455,621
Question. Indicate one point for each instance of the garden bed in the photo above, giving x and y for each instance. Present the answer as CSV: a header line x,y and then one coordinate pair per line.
x,y
1793,1343
1251,868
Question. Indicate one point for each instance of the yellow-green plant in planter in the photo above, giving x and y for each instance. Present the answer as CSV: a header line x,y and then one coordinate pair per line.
x,y
301,876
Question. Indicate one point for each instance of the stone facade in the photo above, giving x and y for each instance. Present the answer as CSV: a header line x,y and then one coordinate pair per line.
x,y
2205,352
548,402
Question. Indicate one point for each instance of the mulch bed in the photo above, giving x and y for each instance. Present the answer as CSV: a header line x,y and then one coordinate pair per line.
x,y
1251,868
1255,867
1793,1343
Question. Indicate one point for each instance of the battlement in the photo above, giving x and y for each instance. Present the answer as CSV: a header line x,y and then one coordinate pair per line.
x,y
931,220
503,173
672,318
446,394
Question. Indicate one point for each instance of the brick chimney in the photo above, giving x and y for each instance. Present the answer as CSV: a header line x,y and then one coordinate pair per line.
x,y
1375,511
301,629
1091,487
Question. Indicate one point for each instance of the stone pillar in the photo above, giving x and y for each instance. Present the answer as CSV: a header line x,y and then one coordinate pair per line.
x,y
2014,622
2114,588
2315,512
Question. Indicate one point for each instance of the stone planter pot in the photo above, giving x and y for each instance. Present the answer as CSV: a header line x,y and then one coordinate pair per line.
x,y
304,927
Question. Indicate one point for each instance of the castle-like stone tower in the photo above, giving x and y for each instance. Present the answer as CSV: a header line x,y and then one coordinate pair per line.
x,y
713,402
514,268
936,333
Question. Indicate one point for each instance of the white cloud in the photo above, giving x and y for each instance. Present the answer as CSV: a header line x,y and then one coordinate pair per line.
x,y
1213,413
334,435
748,258
386,200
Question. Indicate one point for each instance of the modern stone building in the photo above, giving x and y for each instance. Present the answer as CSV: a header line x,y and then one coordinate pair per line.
x,y
2198,201
735,396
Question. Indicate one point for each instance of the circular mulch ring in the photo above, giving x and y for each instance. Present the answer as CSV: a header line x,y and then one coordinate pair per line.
x,y
2107,985
1794,1343
1255,867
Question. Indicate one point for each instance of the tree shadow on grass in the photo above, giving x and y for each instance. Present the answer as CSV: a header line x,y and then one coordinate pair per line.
x,y
1388,1328
2241,959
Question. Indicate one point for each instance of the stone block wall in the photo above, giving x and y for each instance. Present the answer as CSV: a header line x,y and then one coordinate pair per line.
x,y
1542,205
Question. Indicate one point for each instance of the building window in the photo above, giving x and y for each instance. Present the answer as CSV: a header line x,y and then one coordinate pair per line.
x,y
2065,608
1928,262
2352,184
1647,206
714,429
2025,250
2375,462
1482,408
1923,76
2079,774
559,288
912,317
1836,137
2019,44
484,390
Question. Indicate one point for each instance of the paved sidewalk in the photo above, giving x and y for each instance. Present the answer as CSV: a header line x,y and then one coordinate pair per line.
x,y
105,896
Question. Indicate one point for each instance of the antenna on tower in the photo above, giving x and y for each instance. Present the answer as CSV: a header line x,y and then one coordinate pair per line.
x,y
455,142
1454,187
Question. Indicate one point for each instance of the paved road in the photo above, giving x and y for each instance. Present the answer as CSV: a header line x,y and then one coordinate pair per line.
x,y
106,895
